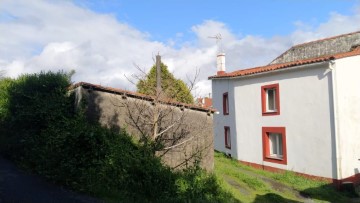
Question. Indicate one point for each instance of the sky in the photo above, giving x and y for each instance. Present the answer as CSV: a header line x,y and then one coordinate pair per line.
x,y
107,41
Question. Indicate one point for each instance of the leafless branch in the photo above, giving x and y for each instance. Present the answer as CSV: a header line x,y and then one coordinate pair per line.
x,y
179,143
136,77
191,82
168,128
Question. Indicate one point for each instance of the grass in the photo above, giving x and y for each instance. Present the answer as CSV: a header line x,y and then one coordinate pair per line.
x,y
248,184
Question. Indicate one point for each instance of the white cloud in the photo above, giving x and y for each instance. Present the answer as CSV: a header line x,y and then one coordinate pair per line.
x,y
209,29
14,68
337,24
41,35
53,35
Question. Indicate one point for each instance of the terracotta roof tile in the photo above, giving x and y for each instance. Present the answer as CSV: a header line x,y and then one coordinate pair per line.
x,y
269,68
204,102
139,96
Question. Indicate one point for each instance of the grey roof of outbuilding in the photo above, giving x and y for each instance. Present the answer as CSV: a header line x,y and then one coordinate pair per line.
x,y
328,46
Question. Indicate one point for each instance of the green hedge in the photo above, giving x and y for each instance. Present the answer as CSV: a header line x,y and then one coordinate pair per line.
x,y
42,132
33,102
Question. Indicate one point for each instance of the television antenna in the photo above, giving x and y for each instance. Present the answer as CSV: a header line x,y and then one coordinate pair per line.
x,y
218,38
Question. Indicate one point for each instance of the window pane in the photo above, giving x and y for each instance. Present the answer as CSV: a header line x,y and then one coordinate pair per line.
x,y
280,145
275,142
227,137
226,104
273,148
271,99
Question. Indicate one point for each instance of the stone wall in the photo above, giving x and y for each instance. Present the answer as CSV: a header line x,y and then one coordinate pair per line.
x,y
193,127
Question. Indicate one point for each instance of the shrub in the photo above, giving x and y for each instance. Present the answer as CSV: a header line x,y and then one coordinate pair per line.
x,y
93,159
196,185
41,131
4,97
33,102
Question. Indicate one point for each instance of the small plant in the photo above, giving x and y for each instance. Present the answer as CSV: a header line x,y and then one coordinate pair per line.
x,y
194,184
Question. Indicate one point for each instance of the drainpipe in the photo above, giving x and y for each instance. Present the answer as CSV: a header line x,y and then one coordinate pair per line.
x,y
332,67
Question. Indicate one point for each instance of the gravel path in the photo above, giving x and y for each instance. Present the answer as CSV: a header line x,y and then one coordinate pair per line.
x,y
17,186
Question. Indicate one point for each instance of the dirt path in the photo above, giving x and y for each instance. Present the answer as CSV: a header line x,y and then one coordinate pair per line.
x,y
277,186
19,187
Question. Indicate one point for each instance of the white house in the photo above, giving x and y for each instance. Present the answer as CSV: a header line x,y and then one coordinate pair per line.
x,y
300,113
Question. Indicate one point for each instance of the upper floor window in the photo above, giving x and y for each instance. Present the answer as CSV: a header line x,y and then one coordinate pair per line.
x,y
270,99
225,104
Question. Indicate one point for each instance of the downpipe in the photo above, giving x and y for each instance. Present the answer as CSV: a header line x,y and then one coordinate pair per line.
x,y
332,67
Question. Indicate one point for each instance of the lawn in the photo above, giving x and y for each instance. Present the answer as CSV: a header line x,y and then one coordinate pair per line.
x,y
253,185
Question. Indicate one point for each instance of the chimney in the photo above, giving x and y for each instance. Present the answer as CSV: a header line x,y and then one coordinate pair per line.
x,y
220,63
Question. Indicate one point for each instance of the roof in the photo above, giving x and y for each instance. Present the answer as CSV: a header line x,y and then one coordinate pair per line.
x,y
204,102
139,96
322,47
354,50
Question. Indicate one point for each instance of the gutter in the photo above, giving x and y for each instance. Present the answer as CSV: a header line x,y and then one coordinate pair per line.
x,y
273,71
332,67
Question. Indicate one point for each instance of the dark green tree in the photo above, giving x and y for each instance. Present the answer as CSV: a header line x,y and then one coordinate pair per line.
x,y
171,87
4,97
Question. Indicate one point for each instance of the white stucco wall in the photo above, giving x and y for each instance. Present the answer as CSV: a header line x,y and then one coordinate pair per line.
x,y
347,76
306,113
220,120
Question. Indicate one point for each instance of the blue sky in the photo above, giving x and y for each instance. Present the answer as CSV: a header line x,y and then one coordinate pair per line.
x,y
165,19
107,41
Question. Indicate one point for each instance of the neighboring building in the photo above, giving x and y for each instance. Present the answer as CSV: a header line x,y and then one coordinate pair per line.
x,y
299,113
204,102
187,129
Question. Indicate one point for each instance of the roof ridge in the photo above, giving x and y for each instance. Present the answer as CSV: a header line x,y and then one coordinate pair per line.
x,y
271,67
325,39
312,42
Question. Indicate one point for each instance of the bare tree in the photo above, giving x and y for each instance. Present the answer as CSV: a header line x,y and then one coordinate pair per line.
x,y
179,133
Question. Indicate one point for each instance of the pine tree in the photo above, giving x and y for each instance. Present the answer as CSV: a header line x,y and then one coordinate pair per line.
x,y
172,88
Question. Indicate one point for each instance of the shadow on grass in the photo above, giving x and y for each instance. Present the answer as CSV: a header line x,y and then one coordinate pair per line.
x,y
272,197
328,193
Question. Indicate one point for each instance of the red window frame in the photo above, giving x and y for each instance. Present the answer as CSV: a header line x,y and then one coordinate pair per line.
x,y
227,137
266,144
226,103
264,100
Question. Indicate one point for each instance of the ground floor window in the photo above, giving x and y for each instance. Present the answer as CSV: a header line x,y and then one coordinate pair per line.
x,y
227,137
274,144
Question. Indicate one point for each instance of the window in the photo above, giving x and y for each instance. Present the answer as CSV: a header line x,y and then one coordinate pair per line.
x,y
225,104
270,97
227,137
274,144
